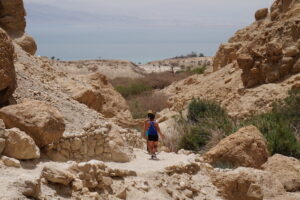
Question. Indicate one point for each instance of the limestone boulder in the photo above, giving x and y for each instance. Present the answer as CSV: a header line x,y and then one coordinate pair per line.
x,y
10,162
12,18
42,122
55,175
19,145
286,170
97,93
261,14
32,188
247,147
7,69
27,43
247,184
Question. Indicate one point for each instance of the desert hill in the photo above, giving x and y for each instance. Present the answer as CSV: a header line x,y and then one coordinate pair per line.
x,y
177,64
250,58
63,136
110,68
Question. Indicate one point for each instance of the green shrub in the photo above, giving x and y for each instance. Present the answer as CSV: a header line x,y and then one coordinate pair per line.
x,y
133,89
278,131
195,139
199,70
280,125
205,118
139,105
199,109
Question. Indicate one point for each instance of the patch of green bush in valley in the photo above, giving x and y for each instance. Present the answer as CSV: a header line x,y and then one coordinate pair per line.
x,y
199,70
280,126
133,89
204,118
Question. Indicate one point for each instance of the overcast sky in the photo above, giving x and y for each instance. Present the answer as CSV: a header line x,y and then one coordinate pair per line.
x,y
134,29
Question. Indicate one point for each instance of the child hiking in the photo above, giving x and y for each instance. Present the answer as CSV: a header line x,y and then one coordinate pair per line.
x,y
152,133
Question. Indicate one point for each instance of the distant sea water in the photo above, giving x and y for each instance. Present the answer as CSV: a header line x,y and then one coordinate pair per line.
x,y
138,53
139,46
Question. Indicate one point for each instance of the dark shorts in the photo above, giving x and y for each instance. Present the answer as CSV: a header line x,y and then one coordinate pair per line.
x,y
153,138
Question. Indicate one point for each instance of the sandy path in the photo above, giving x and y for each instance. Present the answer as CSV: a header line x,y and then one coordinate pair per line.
x,y
143,164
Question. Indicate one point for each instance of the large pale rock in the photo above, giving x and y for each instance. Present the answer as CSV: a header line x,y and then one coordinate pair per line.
x,y
55,175
7,69
10,162
42,122
19,145
286,170
97,93
247,147
247,184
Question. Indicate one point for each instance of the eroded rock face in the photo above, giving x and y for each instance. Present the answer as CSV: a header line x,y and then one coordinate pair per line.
x,y
247,147
247,184
271,45
286,170
42,122
13,21
19,145
12,18
97,93
7,68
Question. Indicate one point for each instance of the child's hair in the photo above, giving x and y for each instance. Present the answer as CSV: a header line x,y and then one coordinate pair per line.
x,y
151,116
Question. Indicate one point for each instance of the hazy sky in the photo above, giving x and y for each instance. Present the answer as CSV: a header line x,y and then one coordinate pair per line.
x,y
137,30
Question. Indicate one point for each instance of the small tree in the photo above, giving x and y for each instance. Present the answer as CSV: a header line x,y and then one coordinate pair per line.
x,y
201,55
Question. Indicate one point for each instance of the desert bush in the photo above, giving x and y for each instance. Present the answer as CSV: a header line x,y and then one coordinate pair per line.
x,y
281,125
133,89
199,70
140,104
128,86
204,120
211,115
195,139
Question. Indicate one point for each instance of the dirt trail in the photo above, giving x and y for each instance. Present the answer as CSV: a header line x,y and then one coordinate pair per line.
x,y
143,164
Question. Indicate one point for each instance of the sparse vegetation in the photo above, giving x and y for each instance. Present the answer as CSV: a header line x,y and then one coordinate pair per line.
x,y
132,89
204,119
281,126
140,104
193,54
199,70
140,94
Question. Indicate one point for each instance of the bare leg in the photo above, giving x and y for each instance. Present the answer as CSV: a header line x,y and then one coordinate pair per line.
x,y
155,144
151,147
148,146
